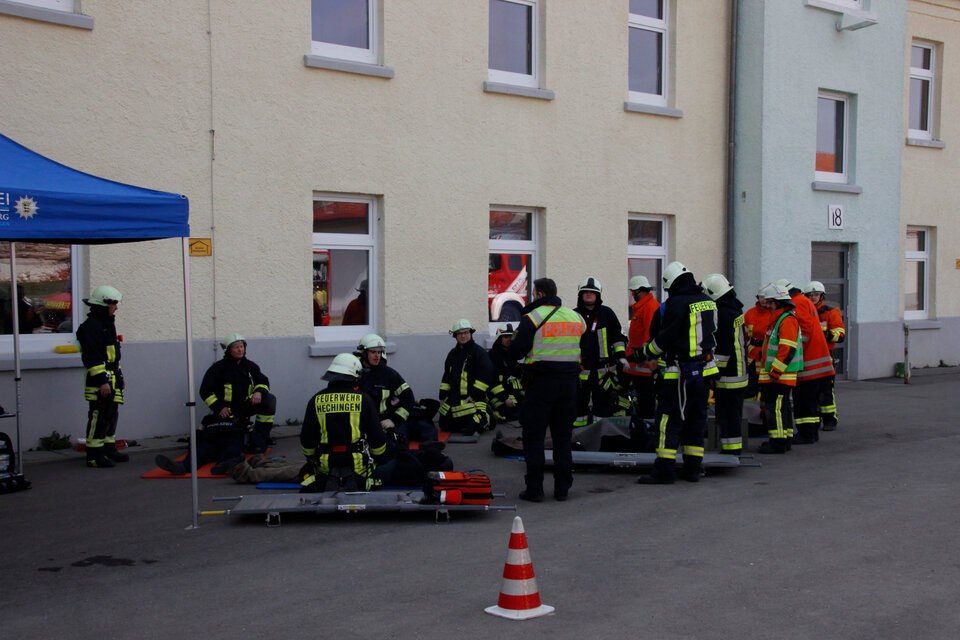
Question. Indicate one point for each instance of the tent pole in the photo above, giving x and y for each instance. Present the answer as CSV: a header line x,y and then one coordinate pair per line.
x,y
15,315
191,399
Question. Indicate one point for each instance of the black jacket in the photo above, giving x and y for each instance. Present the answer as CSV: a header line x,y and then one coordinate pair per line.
x,y
230,383
382,384
731,348
467,371
339,404
100,349
673,340
603,341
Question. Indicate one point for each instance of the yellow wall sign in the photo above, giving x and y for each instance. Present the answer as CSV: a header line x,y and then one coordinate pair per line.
x,y
201,247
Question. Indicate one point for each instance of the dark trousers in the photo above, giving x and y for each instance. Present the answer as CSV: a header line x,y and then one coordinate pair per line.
x,y
646,395
263,416
550,402
778,413
682,419
102,416
218,448
806,409
827,400
728,407
593,401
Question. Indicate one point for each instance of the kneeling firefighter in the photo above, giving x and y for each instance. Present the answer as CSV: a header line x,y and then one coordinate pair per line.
x,y
341,431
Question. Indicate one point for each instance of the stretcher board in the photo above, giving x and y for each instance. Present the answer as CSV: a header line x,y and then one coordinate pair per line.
x,y
636,459
272,505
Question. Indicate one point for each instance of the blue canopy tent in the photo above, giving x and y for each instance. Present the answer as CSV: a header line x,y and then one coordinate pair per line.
x,y
45,201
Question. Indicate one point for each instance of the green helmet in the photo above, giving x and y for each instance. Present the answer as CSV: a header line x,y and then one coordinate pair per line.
x,y
460,325
371,341
230,339
104,296
345,364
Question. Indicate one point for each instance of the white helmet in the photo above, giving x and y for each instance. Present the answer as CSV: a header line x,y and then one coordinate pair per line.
x,y
345,364
670,274
460,325
371,341
774,291
590,284
230,339
715,285
506,330
639,282
783,282
814,286
104,296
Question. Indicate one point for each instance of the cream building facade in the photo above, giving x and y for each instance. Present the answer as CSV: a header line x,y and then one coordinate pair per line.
x,y
394,149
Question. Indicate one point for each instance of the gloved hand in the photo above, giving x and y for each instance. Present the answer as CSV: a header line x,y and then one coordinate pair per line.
x,y
387,424
624,363
648,353
775,374
510,403
828,336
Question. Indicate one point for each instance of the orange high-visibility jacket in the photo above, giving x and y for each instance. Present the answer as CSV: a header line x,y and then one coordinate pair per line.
x,y
783,339
641,314
817,361
831,321
756,321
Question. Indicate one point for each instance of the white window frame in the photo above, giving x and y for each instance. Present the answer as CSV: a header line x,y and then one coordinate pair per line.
x,y
929,75
67,6
357,242
647,23
45,342
830,176
922,257
526,247
644,252
369,55
521,79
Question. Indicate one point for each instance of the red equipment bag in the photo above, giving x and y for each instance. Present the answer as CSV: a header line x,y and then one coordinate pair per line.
x,y
457,487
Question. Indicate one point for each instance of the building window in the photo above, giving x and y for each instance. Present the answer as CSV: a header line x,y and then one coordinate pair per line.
x,y
512,264
647,68
345,29
344,266
916,291
44,300
513,42
832,137
921,91
647,249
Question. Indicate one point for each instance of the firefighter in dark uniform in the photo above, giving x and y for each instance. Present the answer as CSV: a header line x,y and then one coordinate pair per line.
x,y
341,431
548,339
507,392
387,388
467,375
236,387
684,346
103,387
731,355
601,348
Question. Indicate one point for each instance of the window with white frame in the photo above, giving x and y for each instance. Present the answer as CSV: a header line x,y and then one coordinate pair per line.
x,y
57,5
513,42
45,301
647,249
345,29
344,265
833,136
921,90
916,289
512,264
648,46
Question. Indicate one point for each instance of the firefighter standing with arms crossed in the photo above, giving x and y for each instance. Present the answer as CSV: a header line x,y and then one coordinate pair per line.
x,y
548,340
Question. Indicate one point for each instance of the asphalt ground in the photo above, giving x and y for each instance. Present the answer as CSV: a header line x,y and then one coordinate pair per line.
x,y
853,537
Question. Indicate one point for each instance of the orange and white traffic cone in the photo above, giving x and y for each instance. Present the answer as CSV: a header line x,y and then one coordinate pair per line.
x,y
519,598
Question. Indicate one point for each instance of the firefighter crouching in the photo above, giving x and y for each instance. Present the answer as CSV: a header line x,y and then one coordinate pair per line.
x,y
103,387
467,375
341,431
782,361
684,345
831,321
507,391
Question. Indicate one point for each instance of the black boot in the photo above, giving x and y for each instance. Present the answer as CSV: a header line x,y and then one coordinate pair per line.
x,y
664,472
774,445
165,463
692,470
96,459
110,451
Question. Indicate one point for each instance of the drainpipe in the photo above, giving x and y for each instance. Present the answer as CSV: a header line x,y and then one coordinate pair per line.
x,y
906,354
731,144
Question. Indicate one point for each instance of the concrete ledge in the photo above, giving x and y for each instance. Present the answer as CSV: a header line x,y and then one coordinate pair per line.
x,y
41,360
639,107
515,90
920,325
335,347
65,18
347,66
923,142
837,187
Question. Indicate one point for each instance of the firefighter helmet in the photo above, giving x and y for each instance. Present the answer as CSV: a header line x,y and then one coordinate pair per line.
x,y
460,325
783,282
715,285
506,330
774,291
230,339
590,284
814,286
639,282
371,341
104,296
363,285
672,272
344,364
